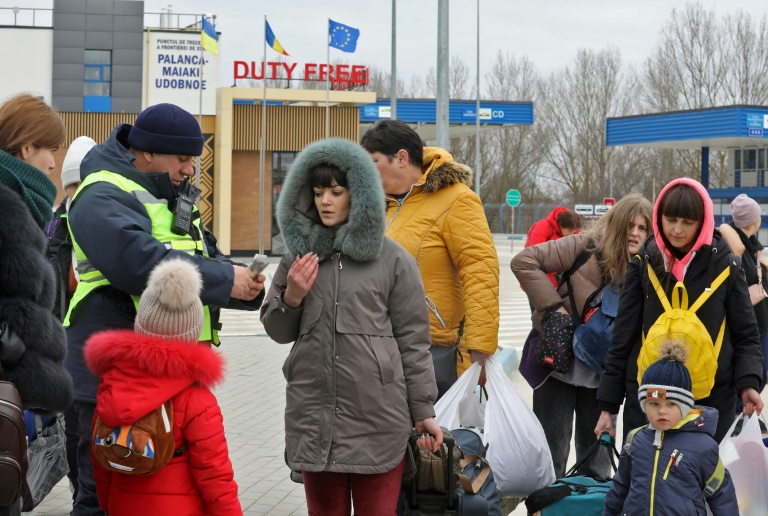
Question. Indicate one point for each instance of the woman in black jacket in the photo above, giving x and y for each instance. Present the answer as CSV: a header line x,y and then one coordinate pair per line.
x,y
741,234
685,248
30,132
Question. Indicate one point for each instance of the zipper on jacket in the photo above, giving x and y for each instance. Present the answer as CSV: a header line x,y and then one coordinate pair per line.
x,y
653,478
669,464
399,204
433,308
338,256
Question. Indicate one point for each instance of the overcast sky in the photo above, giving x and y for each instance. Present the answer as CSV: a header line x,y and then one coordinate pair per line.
x,y
549,32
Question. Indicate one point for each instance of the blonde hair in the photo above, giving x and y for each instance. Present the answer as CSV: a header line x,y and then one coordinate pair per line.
x,y
26,119
610,232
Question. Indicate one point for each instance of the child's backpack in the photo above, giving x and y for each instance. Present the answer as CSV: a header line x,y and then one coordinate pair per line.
x,y
142,448
13,445
680,322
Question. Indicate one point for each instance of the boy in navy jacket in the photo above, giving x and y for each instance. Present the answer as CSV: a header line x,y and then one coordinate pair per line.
x,y
672,465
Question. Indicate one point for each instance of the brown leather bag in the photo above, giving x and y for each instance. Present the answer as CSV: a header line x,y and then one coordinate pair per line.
x,y
13,445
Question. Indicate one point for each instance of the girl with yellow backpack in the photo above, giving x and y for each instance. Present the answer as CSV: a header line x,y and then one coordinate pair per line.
x,y
684,284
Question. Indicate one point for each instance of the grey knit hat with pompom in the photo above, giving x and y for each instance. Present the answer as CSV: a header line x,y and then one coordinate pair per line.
x,y
170,306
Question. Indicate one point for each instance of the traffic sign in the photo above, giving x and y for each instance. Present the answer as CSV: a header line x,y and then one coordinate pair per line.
x,y
584,209
610,201
602,209
513,198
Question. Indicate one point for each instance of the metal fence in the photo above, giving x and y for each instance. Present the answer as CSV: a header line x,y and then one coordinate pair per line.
x,y
26,17
500,216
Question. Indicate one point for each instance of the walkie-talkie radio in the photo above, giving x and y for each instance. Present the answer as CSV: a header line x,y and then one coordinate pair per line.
x,y
182,215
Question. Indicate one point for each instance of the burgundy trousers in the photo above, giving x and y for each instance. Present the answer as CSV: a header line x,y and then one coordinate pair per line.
x,y
328,494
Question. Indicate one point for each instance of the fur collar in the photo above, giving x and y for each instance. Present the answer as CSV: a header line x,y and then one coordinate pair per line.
x,y
362,236
173,359
18,226
440,171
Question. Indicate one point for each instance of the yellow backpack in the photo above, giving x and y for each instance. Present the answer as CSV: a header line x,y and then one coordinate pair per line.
x,y
680,322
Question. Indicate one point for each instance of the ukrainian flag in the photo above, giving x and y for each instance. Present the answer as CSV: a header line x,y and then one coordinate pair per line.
x,y
272,40
210,40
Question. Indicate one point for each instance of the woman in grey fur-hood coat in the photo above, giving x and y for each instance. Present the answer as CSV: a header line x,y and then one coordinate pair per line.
x,y
359,372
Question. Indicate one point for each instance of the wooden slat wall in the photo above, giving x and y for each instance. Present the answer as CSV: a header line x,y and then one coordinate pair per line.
x,y
291,128
99,125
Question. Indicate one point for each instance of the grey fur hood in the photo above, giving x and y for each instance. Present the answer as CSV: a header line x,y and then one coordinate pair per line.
x,y
362,236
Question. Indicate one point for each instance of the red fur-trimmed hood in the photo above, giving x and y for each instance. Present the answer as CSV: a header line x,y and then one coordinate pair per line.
x,y
140,372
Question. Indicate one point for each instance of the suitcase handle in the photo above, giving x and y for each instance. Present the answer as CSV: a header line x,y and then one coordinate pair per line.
x,y
449,442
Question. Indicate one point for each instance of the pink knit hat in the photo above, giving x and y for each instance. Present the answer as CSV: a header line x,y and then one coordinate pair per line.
x,y
745,211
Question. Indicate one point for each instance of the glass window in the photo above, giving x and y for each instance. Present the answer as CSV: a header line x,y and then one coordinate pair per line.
x,y
737,160
97,76
98,57
281,164
96,89
92,73
750,159
761,159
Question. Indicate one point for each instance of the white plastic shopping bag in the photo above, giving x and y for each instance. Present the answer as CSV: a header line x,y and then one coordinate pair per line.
x,y
745,457
518,452
459,406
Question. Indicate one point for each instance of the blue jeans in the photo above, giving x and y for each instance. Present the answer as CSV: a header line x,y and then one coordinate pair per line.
x,y
555,403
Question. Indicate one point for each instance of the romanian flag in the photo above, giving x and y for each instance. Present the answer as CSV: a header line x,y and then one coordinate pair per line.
x,y
210,40
272,40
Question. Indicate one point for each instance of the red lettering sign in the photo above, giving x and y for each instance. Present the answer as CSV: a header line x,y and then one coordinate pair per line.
x,y
343,73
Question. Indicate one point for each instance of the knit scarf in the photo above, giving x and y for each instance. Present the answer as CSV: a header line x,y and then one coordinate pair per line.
x,y
34,187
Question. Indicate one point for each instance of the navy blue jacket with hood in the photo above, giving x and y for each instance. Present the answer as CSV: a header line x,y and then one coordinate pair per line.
x,y
677,486
114,231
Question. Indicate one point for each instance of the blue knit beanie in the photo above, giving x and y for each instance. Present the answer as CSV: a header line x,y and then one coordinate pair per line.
x,y
668,378
166,129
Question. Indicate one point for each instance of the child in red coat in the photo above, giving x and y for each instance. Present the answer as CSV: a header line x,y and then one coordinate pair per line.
x,y
139,371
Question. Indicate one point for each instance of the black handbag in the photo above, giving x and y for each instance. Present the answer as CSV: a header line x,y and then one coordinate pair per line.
x,y
11,346
444,362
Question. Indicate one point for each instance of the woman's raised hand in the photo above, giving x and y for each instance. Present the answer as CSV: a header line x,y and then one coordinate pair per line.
x,y
301,277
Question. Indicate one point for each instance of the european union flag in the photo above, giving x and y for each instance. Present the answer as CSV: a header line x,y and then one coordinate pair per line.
x,y
342,36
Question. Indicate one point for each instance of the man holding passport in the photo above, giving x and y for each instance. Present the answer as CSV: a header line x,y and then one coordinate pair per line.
x,y
134,209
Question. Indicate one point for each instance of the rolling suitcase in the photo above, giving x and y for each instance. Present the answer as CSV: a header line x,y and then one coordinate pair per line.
x,y
468,493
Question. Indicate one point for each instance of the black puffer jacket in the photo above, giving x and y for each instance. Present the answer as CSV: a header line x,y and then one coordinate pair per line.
x,y
749,264
27,293
740,361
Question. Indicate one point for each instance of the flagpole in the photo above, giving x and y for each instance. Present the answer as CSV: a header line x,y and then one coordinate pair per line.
x,y
327,76
200,105
262,147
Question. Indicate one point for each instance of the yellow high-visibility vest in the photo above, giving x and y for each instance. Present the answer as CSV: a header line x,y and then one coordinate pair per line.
x,y
162,221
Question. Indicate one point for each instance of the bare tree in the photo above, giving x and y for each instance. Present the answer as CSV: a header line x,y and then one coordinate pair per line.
x,y
458,80
512,155
574,104
687,69
746,59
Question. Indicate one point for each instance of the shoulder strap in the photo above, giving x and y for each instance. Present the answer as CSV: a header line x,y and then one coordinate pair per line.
x,y
716,480
469,486
630,436
566,278
708,291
